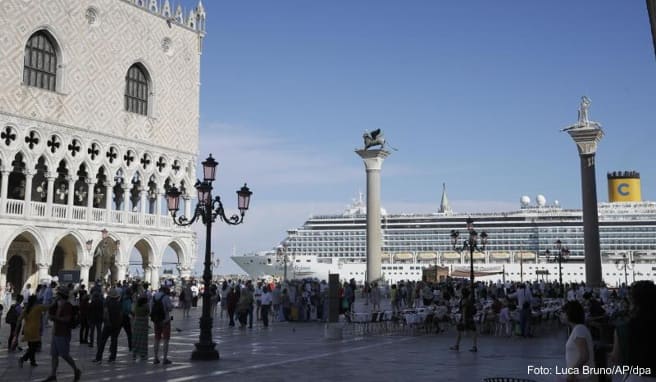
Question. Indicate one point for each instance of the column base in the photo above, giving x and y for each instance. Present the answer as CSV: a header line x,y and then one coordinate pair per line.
x,y
205,352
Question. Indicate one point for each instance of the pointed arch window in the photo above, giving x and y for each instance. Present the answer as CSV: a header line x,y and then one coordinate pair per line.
x,y
40,62
136,90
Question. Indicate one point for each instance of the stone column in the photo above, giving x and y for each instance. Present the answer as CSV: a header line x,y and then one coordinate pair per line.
x,y
143,193
121,271
185,272
126,198
71,191
51,192
84,274
146,276
373,162
154,276
27,209
3,191
91,189
587,134
3,276
43,271
187,206
158,206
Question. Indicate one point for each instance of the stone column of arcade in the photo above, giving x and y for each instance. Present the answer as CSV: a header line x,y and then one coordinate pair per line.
x,y
587,134
373,162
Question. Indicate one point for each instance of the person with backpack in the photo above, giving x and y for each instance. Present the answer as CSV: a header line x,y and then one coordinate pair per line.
x,y
12,319
160,314
112,320
31,315
61,313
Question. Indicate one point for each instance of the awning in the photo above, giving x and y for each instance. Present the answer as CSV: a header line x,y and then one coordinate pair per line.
x,y
479,255
500,255
451,255
427,256
477,273
403,256
526,255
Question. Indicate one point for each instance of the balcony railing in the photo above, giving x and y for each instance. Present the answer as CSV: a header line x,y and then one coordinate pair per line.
x,y
40,210
15,207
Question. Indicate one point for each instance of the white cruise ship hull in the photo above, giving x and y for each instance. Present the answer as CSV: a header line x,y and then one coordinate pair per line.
x,y
268,265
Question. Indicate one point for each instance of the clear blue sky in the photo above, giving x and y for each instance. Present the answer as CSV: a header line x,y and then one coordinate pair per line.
x,y
472,94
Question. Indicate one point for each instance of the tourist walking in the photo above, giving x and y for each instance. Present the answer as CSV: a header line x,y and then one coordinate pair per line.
x,y
265,305
11,318
375,297
160,314
466,322
61,314
126,310
245,306
224,298
579,348
140,329
112,320
95,316
8,295
185,300
84,317
232,300
31,316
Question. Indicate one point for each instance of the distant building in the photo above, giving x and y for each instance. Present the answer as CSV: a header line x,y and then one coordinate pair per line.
x,y
99,110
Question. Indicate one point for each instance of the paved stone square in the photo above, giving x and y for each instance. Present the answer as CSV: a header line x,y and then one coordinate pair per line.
x,y
299,352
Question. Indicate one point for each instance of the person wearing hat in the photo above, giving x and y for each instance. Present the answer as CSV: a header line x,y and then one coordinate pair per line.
x,y
61,314
112,320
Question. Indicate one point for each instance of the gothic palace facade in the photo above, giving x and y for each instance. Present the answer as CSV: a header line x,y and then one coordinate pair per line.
x,y
99,114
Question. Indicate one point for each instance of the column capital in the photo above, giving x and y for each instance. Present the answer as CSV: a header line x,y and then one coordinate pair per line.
x,y
90,181
43,265
373,159
107,184
51,176
29,172
586,139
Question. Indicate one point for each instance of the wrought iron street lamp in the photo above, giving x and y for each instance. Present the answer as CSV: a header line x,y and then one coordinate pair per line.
x,y
207,210
626,264
472,245
562,253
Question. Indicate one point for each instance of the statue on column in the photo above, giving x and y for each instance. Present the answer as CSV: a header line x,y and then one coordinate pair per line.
x,y
375,138
584,116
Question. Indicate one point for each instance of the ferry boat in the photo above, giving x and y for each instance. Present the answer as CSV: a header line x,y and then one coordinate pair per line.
x,y
520,246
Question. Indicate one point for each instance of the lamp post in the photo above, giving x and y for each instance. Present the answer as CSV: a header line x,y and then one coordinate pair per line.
x,y
561,254
626,262
207,210
472,245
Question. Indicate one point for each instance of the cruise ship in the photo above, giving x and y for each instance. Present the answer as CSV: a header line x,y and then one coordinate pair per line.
x,y
521,244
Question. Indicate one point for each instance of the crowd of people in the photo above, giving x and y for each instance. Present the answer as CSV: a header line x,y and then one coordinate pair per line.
x,y
504,308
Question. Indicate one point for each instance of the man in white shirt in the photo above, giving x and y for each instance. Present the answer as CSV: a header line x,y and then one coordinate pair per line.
x,y
26,292
524,297
265,303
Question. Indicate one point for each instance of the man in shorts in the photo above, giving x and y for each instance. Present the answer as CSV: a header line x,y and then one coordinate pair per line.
x,y
163,327
61,313
466,323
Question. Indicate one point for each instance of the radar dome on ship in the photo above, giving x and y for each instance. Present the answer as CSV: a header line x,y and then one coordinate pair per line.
x,y
525,201
541,200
